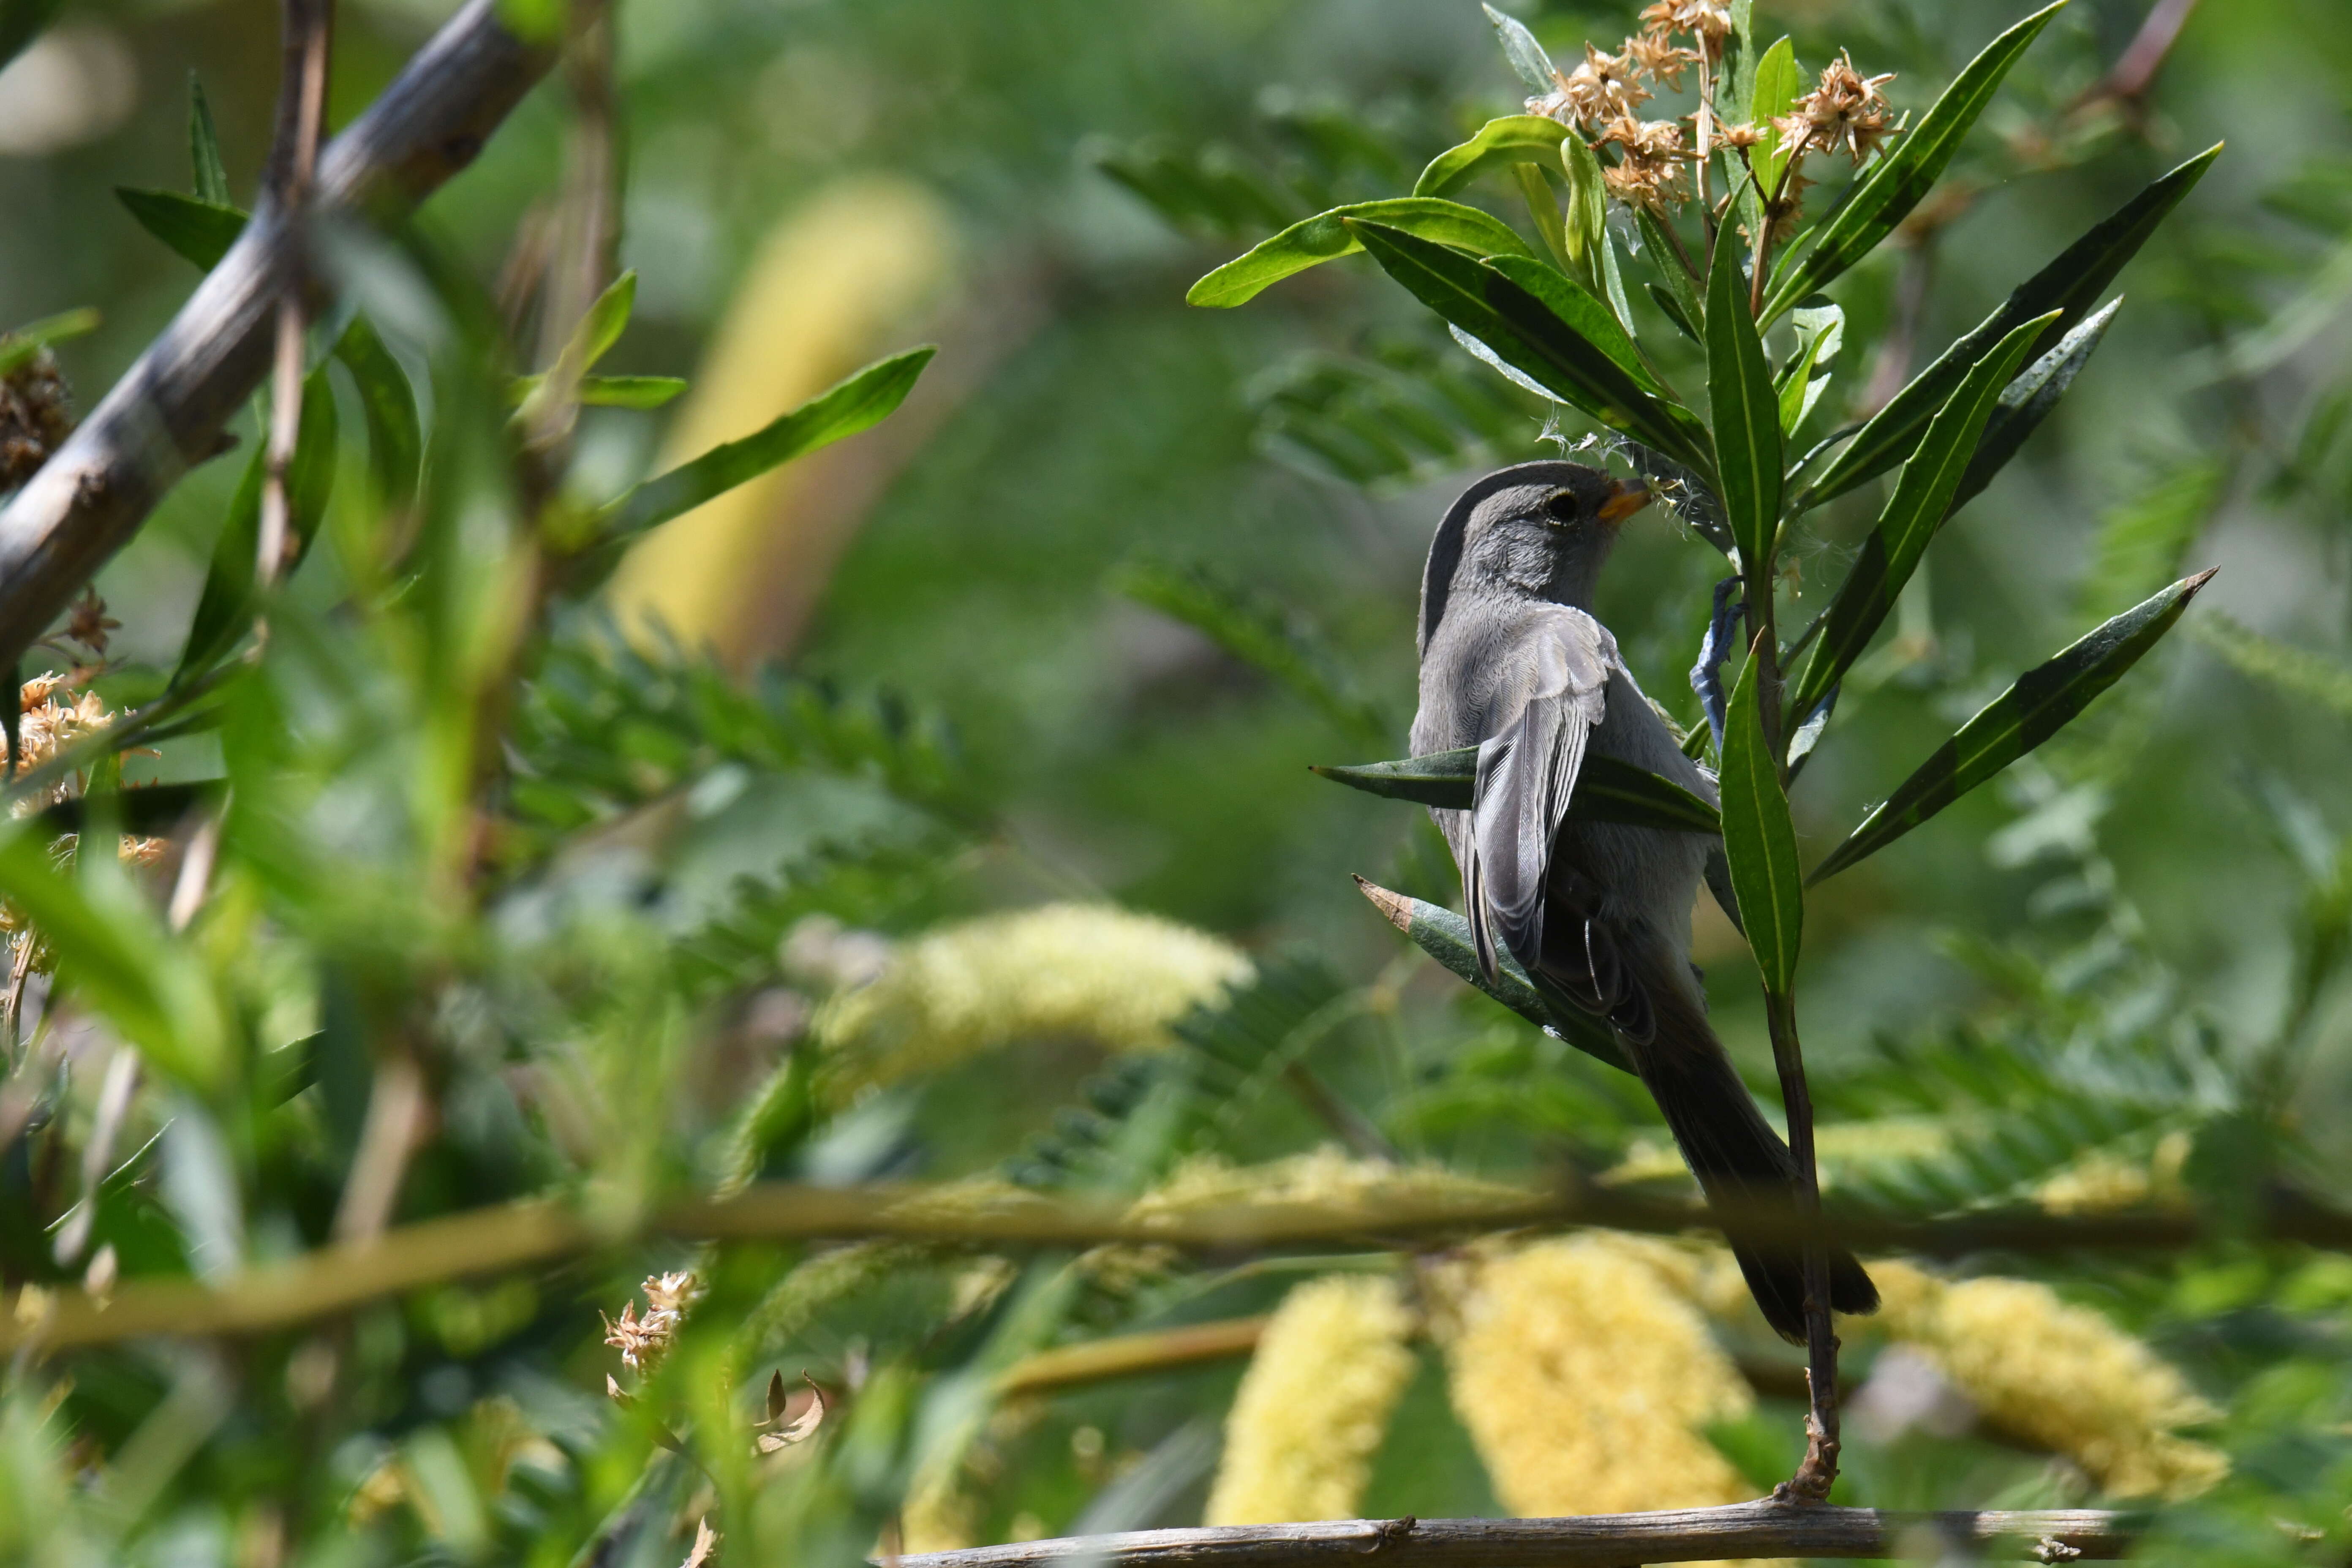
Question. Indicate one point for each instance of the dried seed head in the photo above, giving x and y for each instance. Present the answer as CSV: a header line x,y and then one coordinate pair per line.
x,y
1658,59
1650,139
1708,21
87,623
643,1342
1602,88
1846,109
1651,183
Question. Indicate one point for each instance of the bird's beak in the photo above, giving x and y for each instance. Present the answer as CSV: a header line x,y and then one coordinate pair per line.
x,y
1629,497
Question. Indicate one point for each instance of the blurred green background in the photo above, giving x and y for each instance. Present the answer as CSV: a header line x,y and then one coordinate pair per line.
x,y
1094,418
1082,420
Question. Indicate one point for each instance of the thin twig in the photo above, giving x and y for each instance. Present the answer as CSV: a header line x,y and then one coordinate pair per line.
x,y
2135,70
169,410
1819,1471
525,1235
309,37
1595,1541
397,1110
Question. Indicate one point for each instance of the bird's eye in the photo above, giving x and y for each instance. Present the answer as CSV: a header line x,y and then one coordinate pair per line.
x,y
1563,507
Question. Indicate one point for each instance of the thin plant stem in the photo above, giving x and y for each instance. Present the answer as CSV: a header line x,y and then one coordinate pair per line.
x,y
310,32
1703,123
1814,1476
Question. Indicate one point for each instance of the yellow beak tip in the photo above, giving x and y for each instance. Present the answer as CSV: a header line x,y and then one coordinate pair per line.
x,y
1631,498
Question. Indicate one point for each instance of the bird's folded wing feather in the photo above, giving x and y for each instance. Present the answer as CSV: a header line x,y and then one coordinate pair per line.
x,y
1549,693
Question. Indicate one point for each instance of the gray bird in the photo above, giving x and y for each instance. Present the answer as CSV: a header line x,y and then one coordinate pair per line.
x,y
1513,663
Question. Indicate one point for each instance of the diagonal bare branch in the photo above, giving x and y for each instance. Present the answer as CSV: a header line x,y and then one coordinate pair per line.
x,y
169,409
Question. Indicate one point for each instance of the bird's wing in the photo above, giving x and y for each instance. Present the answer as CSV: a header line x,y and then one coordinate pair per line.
x,y
1549,693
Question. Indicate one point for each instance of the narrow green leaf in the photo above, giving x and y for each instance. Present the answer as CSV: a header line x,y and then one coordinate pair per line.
x,y
113,954
1587,204
2071,284
1778,84
1327,236
1672,309
2028,400
1820,332
199,231
1573,304
19,346
630,391
224,608
1747,415
605,390
204,149
1735,89
600,327
1759,841
1902,175
604,324
1514,139
1445,937
856,403
1528,58
396,438
2292,670
1679,284
1544,208
1612,282
1526,334
1921,501
2045,700
1607,790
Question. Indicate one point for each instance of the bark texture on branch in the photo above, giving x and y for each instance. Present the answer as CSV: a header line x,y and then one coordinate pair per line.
x,y
1594,1540
169,409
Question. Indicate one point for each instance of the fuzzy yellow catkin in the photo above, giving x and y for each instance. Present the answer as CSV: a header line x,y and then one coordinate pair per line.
x,y
2104,1180
2058,1375
1315,1403
1326,1178
1586,1378
1083,971
938,1515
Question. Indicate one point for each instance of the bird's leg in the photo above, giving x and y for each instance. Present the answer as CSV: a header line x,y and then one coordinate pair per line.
x,y
1706,675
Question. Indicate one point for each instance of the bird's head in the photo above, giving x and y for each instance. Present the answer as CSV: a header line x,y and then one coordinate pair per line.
x,y
1540,529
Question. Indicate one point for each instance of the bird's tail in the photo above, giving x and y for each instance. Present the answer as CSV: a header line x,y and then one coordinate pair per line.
x,y
1739,1161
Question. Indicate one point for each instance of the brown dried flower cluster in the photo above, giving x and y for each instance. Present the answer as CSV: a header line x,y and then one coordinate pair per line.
x,y
1846,109
643,1342
52,717
1603,87
1602,95
1706,21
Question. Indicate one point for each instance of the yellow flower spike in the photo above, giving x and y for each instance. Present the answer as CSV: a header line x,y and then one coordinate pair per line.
x,y
1586,1378
2058,1375
1315,1403
1083,970
1327,1177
